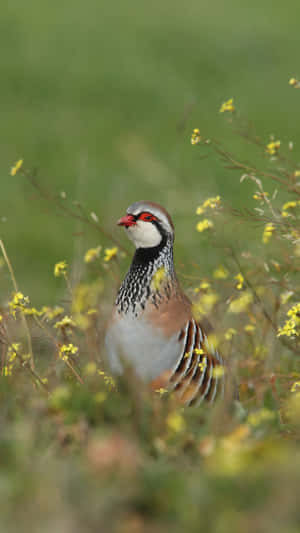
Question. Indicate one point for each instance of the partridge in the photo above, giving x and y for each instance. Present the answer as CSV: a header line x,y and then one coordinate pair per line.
x,y
152,328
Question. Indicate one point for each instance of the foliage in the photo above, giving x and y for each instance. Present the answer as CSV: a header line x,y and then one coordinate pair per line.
x,y
82,452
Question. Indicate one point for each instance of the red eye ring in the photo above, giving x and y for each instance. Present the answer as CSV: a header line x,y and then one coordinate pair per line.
x,y
147,217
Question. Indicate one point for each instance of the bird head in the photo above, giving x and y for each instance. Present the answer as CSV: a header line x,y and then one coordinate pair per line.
x,y
147,224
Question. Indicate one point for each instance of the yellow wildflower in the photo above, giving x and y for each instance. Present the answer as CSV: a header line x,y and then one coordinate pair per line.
x,y
230,333
240,281
285,296
267,233
199,351
109,253
209,203
158,278
18,302
203,363
32,311
66,350
240,305
294,312
273,147
289,329
196,137
161,391
262,415
12,351
218,371
16,167
212,203
100,397
294,83
92,254
90,368
1,318
199,210
204,286
261,196
289,205
175,422
205,304
65,322
227,106
204,224
211,342
51,313
7,370
60,269
295,387
221,272
249,328
108,380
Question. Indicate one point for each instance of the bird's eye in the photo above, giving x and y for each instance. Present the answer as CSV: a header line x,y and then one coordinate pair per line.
x,y
147,217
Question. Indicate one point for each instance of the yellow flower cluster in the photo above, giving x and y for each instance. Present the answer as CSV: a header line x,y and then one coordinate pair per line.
x,y
60,269
289,329
204,286
204,224
239,305
218,371
205,304
273,147
260,196
16,167
175,422
210,203
18,303
158,278
92,254
221,272
108,380
295,387
196,137
12,352
161,391
294,83
109,253
52,312
289,205
203,363
66,350
240,281
260,416
294,312
227,106
230,333
65,322
267,233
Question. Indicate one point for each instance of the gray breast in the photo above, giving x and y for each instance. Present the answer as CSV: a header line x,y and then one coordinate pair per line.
x,y
145,349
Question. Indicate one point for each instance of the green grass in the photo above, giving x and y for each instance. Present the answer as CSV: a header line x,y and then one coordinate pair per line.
x,y
101,99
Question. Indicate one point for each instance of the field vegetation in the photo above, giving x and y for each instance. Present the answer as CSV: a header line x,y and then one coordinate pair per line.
x,y
200,114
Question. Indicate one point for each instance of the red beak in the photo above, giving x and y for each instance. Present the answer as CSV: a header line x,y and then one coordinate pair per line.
x,y
127,220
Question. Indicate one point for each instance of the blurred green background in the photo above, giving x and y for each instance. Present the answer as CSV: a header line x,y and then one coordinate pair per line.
x,y
101,98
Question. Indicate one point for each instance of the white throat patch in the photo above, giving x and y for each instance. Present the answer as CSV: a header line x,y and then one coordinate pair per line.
x,y
144,234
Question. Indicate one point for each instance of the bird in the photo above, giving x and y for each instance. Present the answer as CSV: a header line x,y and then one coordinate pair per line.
x,y
152,328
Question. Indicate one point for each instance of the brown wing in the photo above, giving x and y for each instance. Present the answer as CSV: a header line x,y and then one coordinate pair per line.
x,y
196,375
